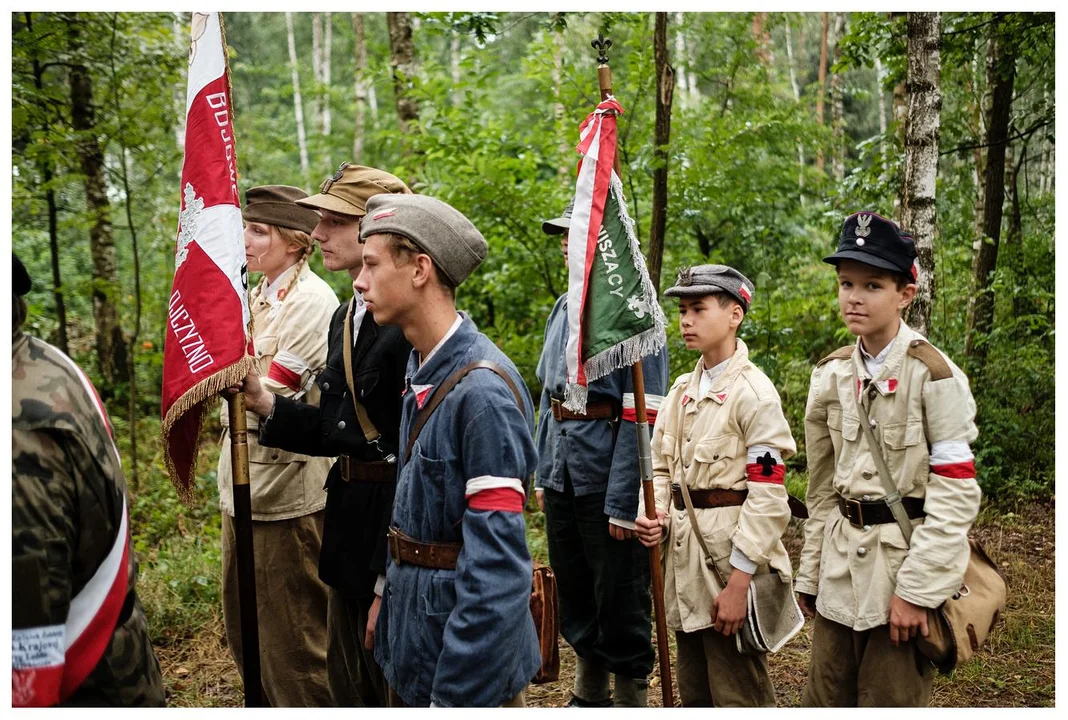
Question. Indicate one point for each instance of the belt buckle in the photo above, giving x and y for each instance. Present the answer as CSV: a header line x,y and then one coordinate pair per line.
x,y
393,537
557,408
346,467
854,504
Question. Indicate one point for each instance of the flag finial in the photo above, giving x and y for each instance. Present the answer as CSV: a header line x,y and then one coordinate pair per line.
x,y
601,44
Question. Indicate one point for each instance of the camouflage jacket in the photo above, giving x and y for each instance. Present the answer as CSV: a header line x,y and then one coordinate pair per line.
x,y
67,510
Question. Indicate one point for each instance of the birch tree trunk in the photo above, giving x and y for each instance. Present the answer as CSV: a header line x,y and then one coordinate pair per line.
x,y
823,85
797,101
325,71
880,75
360,119
402,60
665,87
298,104
837,109
922,129
1001,74
682,60
111,350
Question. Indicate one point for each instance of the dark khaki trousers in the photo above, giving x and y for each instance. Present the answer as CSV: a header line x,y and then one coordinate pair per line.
x,y
712,673
355,678
290,607
862,669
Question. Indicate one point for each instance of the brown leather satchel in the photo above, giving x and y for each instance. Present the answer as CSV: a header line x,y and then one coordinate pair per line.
x,y
545,611
544,607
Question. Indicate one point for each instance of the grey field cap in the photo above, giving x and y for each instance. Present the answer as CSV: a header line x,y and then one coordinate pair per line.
x,y
440,230
560,225
710,279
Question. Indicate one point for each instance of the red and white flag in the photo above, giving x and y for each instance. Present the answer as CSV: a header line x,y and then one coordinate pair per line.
x,y
209,343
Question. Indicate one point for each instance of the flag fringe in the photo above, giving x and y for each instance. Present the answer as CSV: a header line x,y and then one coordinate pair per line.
x,y
633,349
192,400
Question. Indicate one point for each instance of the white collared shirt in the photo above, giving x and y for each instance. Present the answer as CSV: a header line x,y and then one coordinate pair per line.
x,y
359,309
709,375
874,363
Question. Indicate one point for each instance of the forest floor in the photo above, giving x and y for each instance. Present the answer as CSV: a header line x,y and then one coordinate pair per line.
x,y
1016,668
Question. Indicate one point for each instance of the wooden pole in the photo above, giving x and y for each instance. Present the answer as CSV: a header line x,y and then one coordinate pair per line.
x,y
246,568
645,462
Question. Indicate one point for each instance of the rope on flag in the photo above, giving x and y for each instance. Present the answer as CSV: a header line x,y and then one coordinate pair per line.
x,y
208,344
614,319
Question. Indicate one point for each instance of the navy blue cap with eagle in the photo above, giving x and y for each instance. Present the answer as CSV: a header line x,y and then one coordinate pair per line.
x,y
870,238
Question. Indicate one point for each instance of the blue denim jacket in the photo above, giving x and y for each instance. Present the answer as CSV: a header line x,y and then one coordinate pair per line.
x,y
596,454
461,637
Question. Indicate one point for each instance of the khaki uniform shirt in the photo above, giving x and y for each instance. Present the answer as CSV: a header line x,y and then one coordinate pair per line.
x,y
925,427
290,338
740,411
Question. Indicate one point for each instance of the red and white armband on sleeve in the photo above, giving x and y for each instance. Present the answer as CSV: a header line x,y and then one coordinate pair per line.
x,y
652,407
763,464
489,492
953,459
288,369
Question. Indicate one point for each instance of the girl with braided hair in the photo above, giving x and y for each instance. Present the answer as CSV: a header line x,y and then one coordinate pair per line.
x,y
291,309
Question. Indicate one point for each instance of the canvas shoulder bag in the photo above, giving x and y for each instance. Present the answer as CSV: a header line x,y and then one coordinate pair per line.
x,y
960,625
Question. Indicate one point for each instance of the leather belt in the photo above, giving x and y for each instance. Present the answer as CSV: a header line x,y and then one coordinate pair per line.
x,y
708,498
408,551
595,410
363,471
728,498
876,512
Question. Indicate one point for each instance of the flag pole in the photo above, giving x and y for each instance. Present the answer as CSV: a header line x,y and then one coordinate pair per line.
x,y
242,491
645,462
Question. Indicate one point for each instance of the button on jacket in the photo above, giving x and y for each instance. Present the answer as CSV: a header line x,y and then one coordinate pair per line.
x,y
597,455
706,439
925,427
462,637
357,514
290,344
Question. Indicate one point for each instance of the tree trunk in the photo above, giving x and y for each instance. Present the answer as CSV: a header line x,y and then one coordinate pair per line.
x,y
922,129
325,70
110,344
762,38
298,104
682,60
823,85
837,108
402,60
317,67
900,109
665,88
45,168
559,112
880,75
360,119
797,101
1014,232
1001,74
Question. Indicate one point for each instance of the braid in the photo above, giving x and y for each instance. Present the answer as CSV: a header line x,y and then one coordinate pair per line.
x,y
296,273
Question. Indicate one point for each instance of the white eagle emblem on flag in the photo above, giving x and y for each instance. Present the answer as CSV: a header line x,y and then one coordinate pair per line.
x,y
187,221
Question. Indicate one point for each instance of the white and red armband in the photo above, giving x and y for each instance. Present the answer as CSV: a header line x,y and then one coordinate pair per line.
x,y
763,464
652,407
952,459
288,369
489,492
49,663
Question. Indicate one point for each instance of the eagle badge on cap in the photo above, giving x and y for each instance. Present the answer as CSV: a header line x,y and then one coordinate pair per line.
x,y
325,187
863,226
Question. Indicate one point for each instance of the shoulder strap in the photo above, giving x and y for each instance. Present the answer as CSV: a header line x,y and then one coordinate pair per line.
x,y
694,527
843,353
893,496
926,353
370,432
450,382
